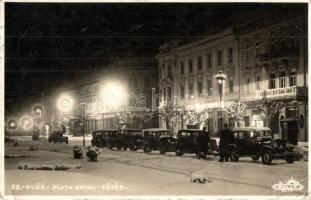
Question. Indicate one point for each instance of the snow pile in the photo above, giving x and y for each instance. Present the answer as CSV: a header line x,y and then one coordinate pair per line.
x,y
92,153
199,177
301,152
17,156
77,152
29,166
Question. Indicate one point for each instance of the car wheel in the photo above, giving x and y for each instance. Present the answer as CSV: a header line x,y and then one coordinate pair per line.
x,y
201,155
255,158
266,158
162,149
66,141
54,141
179,152
290,159
109,146
234,156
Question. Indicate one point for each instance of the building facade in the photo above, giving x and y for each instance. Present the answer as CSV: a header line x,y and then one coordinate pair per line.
x,y
188,72
104,100
263,59
273,65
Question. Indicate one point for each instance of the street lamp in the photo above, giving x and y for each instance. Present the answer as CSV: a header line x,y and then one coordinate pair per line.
x,y
220,77
12,124
37,110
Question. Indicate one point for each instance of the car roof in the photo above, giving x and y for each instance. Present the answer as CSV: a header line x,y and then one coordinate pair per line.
x,y
130,129
190,130
252,128
156,129
105,130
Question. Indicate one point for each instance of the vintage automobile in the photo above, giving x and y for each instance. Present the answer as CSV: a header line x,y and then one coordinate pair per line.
x,y
258,142
103,138
152,138
192,141
58,136
129,138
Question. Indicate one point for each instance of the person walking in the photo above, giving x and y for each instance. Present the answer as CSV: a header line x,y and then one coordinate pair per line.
x,y
224,144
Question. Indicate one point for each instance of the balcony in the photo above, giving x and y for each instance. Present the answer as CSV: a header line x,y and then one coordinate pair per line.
x,y
278,92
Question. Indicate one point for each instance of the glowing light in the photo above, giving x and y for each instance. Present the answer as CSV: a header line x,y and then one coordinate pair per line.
x,y
12,124
65,103
38,109
26,122
113,94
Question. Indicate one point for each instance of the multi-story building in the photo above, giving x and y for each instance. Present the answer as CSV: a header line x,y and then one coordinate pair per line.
x,y
101,99
188,72
264,58
273,65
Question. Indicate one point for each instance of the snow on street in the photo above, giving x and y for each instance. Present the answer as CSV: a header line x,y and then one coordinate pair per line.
x,y
138,173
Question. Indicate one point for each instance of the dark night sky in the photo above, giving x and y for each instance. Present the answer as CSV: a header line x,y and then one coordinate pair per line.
x,y
48,45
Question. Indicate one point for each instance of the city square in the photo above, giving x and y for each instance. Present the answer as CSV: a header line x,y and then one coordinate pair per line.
x,y
156,99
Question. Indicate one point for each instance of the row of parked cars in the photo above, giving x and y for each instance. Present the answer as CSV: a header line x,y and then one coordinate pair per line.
x,y
253,142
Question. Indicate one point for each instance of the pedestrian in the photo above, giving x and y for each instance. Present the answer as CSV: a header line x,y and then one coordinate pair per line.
x,y
203,143
224,143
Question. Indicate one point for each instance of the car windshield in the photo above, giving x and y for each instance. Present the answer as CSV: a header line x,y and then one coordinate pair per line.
x,y
264,133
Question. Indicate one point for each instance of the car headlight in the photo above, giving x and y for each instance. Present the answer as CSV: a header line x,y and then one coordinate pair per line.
x,y
274,145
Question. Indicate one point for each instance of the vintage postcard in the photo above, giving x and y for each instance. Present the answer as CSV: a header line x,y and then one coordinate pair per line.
x,y
161,100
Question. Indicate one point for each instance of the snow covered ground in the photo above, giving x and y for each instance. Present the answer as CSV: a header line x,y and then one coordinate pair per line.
x,y
138,173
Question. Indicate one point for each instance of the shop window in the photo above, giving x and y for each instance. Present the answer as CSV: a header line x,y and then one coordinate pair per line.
x,y
209,88
182,92
190,88
200,87
169,92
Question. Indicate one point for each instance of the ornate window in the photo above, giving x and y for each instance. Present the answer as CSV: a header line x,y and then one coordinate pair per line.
x,y
199,63
272,82
282,80
292,79
182,68
190,66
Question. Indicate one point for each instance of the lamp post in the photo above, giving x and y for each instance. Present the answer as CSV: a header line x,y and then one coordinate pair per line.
x,y
83,105
220,77
65,104
37,110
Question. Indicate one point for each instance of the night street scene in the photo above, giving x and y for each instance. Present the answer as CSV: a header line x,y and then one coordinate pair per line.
x,y
148,99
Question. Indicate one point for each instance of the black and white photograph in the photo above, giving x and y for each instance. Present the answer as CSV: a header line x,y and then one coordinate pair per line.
x,y
162,99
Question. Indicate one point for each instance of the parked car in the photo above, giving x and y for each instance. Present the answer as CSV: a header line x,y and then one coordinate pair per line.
x,y
192,141
129,138
152,138
258,142
58,136
167,144
102,138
